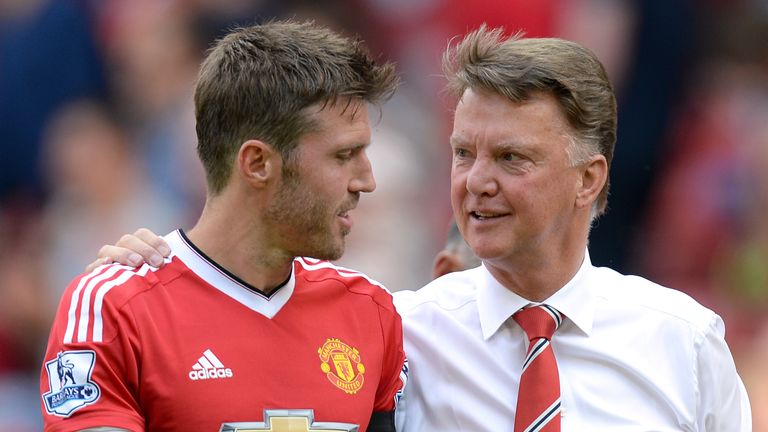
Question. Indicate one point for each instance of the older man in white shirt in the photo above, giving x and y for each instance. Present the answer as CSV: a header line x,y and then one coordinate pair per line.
x,y
533,137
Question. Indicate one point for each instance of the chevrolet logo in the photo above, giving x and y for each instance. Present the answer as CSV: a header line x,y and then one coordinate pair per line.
x,y
288,421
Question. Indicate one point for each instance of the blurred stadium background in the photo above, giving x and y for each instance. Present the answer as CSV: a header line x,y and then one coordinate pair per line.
x,y
97,139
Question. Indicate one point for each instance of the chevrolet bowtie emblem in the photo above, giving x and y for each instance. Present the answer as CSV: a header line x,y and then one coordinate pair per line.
x,y
288,421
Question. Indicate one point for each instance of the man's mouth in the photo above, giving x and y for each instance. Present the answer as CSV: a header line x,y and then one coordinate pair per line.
x,y
485,215
345,219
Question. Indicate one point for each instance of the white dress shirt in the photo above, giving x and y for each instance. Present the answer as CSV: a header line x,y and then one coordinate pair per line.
x,y
632,355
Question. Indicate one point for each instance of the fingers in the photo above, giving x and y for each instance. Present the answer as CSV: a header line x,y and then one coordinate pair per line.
x,y
137,248
125,255
153,240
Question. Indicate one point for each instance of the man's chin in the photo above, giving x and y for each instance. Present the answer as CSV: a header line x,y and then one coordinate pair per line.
x,y
334,255
330,253
485,251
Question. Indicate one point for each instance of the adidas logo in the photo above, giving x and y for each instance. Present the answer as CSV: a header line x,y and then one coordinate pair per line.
x,y
208,366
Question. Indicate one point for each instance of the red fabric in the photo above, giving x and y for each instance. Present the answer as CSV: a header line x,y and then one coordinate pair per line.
x,y
159,326
538,399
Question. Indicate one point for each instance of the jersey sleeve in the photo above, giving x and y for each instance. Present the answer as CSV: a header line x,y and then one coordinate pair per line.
x,y
89,376
395,369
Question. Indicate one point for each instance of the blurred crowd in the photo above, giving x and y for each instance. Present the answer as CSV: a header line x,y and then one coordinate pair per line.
x,y
97,139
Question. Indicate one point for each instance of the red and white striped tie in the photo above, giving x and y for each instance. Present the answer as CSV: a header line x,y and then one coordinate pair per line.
x,y
538,398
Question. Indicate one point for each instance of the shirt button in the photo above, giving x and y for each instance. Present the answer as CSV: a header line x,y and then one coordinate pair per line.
x,y
562,412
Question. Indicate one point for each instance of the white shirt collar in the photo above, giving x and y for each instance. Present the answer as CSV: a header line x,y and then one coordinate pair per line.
x,y
576,300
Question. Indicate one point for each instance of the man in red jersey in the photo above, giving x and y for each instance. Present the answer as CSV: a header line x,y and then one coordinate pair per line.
x,y
236,331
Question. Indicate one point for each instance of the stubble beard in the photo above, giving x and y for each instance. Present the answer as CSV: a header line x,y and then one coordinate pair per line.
x,y
305,222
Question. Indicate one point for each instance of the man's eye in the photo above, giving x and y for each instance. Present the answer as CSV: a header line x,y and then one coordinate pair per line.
x,y
460,152
344,156
510,157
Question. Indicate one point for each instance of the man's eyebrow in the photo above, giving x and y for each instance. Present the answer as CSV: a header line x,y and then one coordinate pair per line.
x,y
508,144
355,147
457,140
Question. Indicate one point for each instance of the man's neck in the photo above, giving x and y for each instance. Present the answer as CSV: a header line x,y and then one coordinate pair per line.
x,y
537,278
235,244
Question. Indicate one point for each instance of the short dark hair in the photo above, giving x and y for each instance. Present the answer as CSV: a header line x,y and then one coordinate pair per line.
x,y
515,67
256,83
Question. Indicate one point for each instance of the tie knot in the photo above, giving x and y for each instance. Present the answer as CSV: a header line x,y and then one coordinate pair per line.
x,y
539,321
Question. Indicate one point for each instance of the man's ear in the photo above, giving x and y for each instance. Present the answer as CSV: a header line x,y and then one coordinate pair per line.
x,y
594,174
258,163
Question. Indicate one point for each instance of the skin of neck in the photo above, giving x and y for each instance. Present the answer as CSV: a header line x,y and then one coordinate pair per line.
x,y
539,274
230,231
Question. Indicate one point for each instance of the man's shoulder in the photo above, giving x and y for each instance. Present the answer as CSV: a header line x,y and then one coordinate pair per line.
x,y
355,282
92,304
448,292
117,284
632,291
110,277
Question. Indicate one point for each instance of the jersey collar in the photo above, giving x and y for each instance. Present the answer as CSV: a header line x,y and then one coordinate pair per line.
x,y
226,282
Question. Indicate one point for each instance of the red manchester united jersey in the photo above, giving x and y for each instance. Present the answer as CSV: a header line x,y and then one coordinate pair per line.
x,y
191,347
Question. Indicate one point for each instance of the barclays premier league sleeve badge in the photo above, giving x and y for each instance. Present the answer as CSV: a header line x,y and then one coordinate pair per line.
x,y
69,380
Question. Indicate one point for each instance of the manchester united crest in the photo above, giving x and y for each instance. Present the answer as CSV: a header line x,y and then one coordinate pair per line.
x,y
342,365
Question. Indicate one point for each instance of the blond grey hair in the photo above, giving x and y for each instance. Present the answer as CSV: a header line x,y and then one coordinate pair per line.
x,y
515,67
